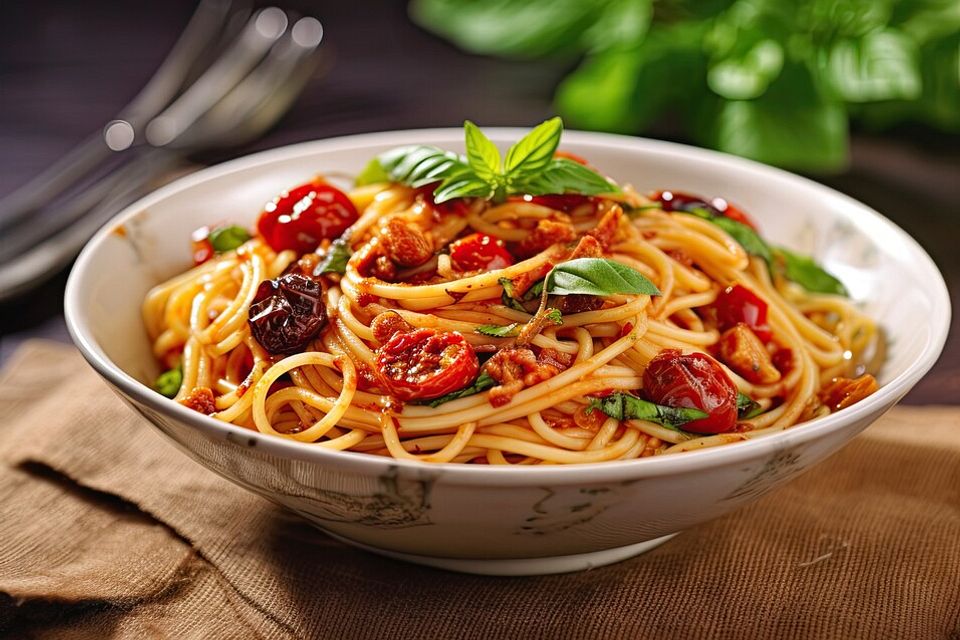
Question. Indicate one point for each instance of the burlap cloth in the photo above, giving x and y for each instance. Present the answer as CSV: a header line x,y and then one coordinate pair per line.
x,y
107,531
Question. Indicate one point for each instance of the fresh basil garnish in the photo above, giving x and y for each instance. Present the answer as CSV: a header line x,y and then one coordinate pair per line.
x,y
336,258
513,329
483,382
529,168
371,174
749,239
598,277
807,273
227,238
626,406
168,383
747,407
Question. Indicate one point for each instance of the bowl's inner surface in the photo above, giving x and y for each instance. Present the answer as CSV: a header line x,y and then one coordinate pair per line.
x,y
881,267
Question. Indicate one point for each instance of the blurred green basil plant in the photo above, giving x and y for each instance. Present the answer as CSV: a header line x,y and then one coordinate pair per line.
x,y
773,80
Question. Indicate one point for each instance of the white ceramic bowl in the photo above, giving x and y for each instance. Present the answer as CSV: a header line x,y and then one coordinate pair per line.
x,y
478,518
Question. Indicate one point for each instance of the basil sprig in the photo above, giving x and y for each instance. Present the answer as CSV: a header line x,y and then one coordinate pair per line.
x,y
626,406
336,258
598,277
483,382
529,168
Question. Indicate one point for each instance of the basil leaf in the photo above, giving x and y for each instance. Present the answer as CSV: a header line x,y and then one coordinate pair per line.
x,y
511,330
749,239
597,276
483,382
420,165
807,273
563,175
535,150
228,238
747,407
881,65
534,291
168,383
626,406
482,155
336,258
463,184
371,174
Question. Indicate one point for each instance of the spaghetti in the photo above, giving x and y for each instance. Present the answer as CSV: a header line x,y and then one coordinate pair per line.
x,y
390,321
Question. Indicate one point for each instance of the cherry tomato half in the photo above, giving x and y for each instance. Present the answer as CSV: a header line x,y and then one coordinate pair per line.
x,y
424,364
694,381
679,201
479,251
300,218
738,304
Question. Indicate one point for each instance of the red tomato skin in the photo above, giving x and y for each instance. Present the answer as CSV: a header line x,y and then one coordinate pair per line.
x,y
479,251
300,218
738,304
202,251
424,363
693,381
679,201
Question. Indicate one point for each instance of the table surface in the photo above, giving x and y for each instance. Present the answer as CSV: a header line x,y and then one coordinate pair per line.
x,y
67,67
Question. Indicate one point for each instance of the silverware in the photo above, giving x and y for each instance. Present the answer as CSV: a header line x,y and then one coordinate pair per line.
x,y
242,94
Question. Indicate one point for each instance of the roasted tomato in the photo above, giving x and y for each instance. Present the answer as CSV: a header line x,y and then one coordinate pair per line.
x,y
300,218
738,304
479,251
200,245
678,201
287,313
424,364
694,381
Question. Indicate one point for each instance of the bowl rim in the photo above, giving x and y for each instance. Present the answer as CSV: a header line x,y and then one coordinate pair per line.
x,y
454,473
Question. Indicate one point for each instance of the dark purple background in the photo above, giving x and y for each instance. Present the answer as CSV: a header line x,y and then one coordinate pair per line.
x,y
66,67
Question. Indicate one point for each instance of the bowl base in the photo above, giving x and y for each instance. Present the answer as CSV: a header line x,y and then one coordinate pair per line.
x,y
518,566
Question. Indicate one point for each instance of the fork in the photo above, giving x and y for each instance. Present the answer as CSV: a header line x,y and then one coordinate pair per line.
x,y
239,97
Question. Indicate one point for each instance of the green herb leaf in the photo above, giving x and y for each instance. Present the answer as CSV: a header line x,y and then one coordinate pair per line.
x,y
747,74
483,382
168,383
511,330
747,407
534,151
482,155
554,317
807,273
420,165
626,406
599,277
749,239
335,259
881,65
228,238
371,174
463,184
514,28
562,175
